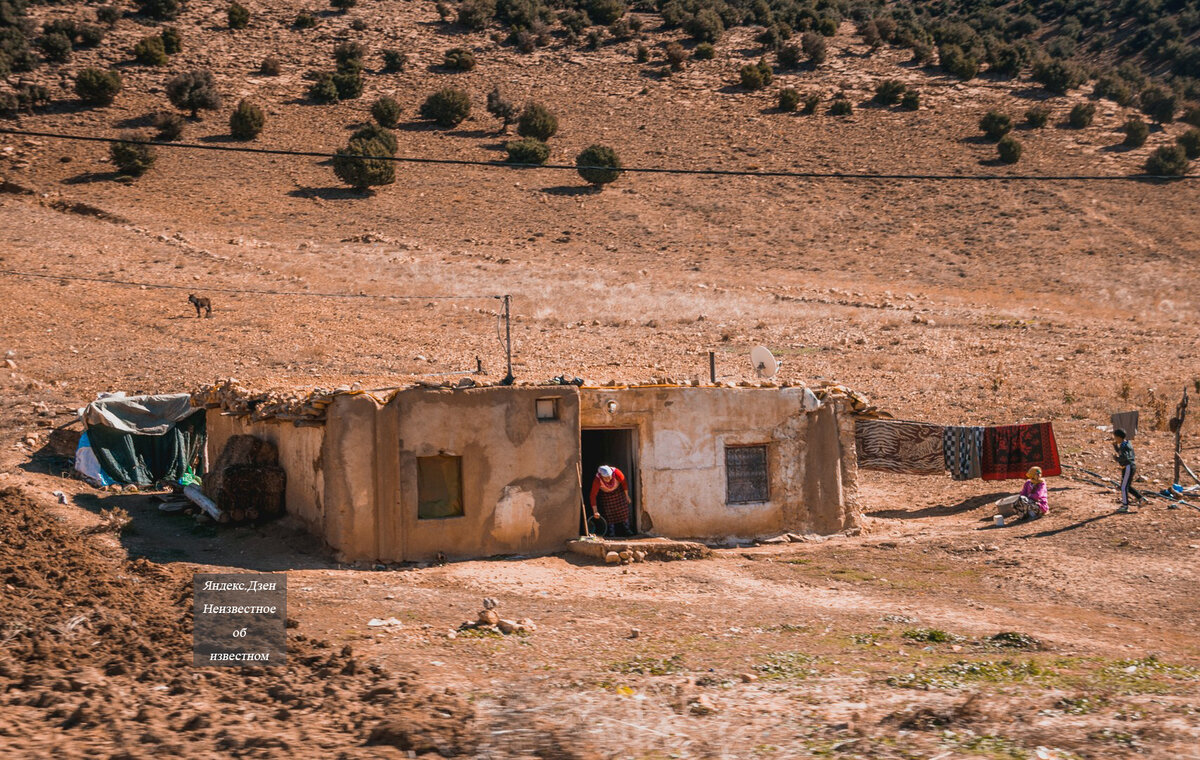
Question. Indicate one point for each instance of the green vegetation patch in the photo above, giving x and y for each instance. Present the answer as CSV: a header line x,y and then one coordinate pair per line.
x,y
789,666
959,674
651,666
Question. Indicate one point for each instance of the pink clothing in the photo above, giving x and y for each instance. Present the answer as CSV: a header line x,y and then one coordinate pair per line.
x,y
1037,494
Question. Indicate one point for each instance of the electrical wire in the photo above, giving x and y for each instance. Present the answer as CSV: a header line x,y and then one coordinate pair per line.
x,y
163,286
626,169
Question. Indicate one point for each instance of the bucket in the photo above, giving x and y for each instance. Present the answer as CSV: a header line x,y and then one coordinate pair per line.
x,y
999,521
597,526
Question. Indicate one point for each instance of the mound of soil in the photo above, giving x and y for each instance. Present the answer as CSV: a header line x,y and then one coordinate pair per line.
x,y
96,662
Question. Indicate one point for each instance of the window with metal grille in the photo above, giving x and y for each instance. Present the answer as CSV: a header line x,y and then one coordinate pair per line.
x,y
746,480
439,487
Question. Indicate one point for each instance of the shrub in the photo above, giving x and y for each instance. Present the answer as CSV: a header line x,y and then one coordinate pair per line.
x,y
789,56
574,21
1159,104
160,9
922,53
1009,149
1037,117
1135,131
448,107
840,107
55,47
305,20
364,164
598,165
1057,76
810,103
270,66
605,12
789,99
348,81
1190,142
238,16
97,87
958,63
1114,87
621,29
756,76
995,124
524,41
911,100
172,41
90,35
150,51
458,59
169,125
108,14
528,150
537,121
501,107
1167,161
705,26
386,112
376,133
359,25
641,53
130,158
193,91
889,91
476,14
593,39
323,89
704,52
1191,115
246,121
394,60
343,5
814,47
1004,60
349,54
1081,115
676,56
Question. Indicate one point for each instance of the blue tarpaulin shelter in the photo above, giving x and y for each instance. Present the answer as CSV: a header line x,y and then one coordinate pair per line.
x,y
146,440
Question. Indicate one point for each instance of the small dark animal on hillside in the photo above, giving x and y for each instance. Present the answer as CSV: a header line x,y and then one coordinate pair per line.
x,y
201,303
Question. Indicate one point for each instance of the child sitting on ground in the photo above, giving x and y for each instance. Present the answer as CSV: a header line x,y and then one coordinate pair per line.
x,y
1031,503
1034,499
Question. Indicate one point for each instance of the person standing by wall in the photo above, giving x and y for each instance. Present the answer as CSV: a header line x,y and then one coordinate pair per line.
x,y
1126,460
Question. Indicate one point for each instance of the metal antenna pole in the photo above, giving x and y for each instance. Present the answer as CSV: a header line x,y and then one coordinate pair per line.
x,y
508,379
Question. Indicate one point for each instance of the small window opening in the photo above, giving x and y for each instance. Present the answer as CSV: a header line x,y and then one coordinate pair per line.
x,y
439,487
746,476
547,409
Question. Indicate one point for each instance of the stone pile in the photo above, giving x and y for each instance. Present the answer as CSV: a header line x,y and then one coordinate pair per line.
x,y
296,406
490,621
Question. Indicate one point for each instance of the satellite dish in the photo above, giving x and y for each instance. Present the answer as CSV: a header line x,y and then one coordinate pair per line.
x,y
764,362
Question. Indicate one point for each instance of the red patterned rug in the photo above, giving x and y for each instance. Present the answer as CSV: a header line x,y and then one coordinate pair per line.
x,y
1010,450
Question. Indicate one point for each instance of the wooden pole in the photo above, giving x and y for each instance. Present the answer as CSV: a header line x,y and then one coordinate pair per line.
x,y
1180,416
712,367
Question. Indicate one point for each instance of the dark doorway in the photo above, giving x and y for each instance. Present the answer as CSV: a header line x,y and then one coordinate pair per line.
x,y
615,448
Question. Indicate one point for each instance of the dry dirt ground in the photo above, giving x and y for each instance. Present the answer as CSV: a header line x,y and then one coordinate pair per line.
x,y
956,302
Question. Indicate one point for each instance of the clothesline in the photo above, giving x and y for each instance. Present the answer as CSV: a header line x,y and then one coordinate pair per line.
x,y
998,452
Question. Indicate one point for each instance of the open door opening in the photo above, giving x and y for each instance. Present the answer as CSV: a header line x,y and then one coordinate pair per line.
x,y
615,448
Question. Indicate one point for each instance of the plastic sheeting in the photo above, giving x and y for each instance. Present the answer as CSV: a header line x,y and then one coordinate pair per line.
x,y
141,415
145,440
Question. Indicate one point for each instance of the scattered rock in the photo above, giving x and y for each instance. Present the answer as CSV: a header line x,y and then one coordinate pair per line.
x,y
612,558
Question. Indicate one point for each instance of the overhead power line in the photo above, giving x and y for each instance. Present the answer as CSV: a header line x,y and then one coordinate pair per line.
x,y
309,294
910,176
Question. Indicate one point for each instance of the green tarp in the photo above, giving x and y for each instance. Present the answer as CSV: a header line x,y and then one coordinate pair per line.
x,y
141,458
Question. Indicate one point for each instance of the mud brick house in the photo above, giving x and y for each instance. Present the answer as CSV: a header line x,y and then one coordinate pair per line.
x,y
482,471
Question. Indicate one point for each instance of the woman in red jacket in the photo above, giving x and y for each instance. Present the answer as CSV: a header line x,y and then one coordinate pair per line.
x,y
613,493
